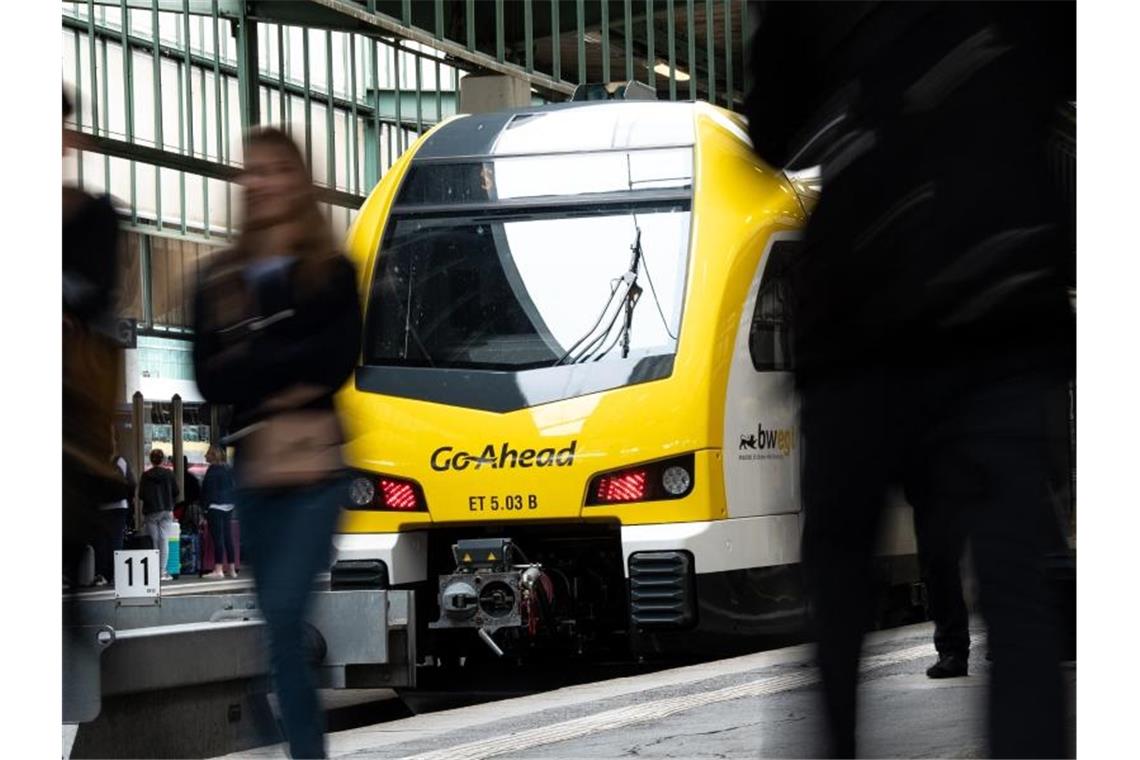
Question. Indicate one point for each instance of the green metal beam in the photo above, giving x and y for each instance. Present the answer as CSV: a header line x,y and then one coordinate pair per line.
x,y
193,165
212,63
392,113
229,8
388,25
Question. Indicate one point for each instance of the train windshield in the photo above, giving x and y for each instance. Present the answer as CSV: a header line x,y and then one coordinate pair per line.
x,y
518,264
518,293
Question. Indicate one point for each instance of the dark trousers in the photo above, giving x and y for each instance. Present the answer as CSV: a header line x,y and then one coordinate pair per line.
x,y
970,445
941,541
222,535
112,524
289,534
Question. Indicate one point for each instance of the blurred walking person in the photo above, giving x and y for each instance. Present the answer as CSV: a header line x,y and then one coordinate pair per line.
x,y
277,332
218,497
158,492
931,322
92,366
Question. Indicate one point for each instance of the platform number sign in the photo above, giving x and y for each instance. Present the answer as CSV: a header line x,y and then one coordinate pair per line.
x,y
137,575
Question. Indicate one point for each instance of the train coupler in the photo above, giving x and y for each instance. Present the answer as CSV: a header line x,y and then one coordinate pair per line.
x,y
493,587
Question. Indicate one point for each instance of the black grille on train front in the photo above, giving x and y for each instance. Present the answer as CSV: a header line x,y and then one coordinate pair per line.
x,y
662,593
358,573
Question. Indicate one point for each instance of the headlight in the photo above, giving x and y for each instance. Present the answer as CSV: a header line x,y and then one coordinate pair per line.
x,y
676,480
361,492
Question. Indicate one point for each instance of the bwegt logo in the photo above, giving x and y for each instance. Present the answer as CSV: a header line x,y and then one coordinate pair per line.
x,y
776,439
447,458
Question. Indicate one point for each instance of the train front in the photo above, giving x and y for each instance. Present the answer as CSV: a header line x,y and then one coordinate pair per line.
x,y
536,408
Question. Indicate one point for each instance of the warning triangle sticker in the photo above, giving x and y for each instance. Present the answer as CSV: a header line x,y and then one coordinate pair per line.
x,y
466,557
491,557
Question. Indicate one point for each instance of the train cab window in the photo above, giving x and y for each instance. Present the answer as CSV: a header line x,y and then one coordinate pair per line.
x,y
520,262
769,339
528,291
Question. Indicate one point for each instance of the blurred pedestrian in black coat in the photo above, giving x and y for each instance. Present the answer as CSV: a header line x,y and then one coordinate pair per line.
x,y
92,368
277,332
931,315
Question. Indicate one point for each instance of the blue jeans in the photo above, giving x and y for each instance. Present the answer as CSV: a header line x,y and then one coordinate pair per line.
x,y
289,536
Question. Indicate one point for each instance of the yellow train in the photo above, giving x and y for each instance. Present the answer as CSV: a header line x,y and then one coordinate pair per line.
x,y
573,420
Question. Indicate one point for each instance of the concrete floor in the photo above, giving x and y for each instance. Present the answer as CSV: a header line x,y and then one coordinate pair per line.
x,y
760,705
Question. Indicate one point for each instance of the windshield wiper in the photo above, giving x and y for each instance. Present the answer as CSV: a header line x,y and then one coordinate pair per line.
x,y
628,300
633,295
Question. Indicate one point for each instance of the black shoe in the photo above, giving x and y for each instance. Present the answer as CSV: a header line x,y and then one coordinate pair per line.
x,y
948,666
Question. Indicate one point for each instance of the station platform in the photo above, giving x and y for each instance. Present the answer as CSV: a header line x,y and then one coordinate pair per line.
x,y
758,705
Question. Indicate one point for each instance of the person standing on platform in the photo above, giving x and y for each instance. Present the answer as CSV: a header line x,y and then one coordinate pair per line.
x,y
158,492
277,332
218,497
114,516
930,315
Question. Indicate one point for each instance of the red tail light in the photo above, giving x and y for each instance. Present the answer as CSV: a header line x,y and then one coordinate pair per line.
x,y
660,480
396,494
372,491
622,486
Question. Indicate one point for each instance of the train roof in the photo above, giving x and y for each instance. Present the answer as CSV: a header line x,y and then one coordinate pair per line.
x,y
566,128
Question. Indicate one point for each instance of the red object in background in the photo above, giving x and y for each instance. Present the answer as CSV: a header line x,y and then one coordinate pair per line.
x,y
625,486
207,543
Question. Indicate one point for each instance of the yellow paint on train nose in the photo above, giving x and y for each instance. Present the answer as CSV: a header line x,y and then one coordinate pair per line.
x,y
536,463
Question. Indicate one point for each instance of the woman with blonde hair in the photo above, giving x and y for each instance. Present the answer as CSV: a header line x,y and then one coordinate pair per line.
x,y
277,332
218,496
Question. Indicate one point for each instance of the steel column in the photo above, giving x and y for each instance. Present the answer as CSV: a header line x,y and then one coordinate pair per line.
x,y
500,50
528,36
672,51
91,55
605,40
730,98
249,91
330,123
355,186
710,49
129,100
79,108
629,40
581,41
176,440
691,35
556,42
651,56
138,430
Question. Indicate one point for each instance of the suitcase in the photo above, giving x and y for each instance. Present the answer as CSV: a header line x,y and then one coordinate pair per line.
x,y
137,541
172,534
191,550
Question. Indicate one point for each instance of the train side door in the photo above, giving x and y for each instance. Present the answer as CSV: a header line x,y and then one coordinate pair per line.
x,y
761,426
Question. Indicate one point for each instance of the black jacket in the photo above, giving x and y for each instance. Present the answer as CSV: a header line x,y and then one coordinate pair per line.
x,y
158,490
311,335
218,485
90,256
940,236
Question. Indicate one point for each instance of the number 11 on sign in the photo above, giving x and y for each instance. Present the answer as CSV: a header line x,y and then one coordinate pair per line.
x,y
137,576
